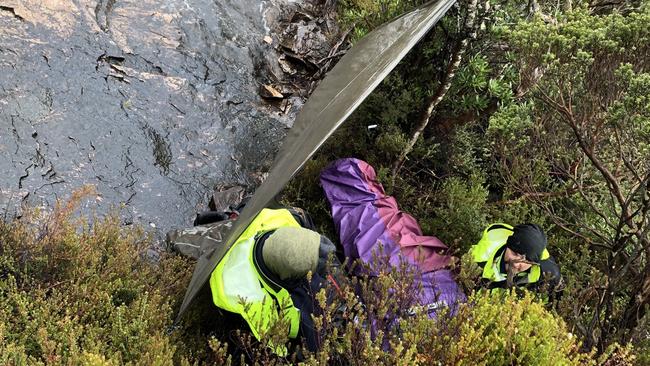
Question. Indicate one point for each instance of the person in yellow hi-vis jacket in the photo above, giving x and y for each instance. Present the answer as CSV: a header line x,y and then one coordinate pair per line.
x,y
263,276
516,256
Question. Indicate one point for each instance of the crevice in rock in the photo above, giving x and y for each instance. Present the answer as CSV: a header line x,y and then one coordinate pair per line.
x,y
103,12
150,66
4,49
24,176
233,102
49,173
128,200
40,158
12,11
23,200
128,171
112,60
14,131
49,184
119,66
176,108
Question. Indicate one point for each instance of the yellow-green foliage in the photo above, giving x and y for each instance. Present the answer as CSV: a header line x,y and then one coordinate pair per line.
x,y
503,329
489,329
76,294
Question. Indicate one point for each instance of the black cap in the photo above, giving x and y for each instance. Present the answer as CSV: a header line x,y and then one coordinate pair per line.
x,y
528,239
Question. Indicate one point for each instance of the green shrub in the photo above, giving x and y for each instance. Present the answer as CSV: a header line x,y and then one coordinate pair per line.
x,y
73,293
502,328
365,15
460,214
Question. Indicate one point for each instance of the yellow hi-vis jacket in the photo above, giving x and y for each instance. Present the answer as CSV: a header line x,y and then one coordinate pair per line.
x,y
238,287
494,238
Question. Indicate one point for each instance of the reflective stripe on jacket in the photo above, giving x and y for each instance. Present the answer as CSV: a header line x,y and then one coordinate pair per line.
x,y
238,287
485,252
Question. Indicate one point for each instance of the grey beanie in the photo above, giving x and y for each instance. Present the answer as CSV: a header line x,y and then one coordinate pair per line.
x,y
291,252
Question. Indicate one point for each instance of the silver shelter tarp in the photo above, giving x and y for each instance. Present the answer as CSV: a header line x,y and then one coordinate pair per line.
x,y
355,76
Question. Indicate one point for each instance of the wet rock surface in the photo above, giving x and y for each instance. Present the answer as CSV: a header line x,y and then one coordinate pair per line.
x,y
153,102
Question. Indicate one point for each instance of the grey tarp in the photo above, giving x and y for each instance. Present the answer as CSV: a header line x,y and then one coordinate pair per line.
x,y
356,75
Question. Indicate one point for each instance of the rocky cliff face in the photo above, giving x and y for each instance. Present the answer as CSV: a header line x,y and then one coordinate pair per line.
x,y
153,102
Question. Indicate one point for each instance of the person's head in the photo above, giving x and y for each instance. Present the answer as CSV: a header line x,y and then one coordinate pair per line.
x,y
292,252
524,247
516,261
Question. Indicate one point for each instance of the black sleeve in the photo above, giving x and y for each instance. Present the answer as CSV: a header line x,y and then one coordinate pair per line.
x,y
551,281
303,298
550,272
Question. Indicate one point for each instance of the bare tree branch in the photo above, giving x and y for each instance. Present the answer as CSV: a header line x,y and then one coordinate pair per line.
x,y
530,195
570,120
564,225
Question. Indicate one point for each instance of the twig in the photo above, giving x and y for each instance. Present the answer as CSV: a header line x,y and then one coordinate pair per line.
x,y
332,54
537,195
556,220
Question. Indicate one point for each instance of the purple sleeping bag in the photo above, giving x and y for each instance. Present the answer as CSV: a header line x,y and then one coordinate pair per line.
x,y
365,216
